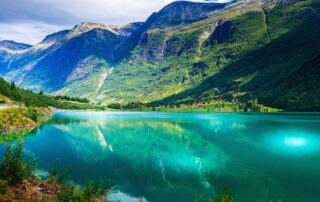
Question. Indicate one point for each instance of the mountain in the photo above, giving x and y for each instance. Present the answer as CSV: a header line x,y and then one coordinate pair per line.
x,y
68,56
182,12
8,49
13,46
175,14
187,52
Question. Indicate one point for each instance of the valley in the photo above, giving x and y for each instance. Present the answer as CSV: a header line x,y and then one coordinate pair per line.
x,y
185,53
202,101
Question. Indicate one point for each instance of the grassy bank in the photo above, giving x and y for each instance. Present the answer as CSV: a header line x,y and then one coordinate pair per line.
x,y
20,118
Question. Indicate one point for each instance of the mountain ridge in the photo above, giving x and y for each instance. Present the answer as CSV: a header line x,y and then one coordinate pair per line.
x,y
176,50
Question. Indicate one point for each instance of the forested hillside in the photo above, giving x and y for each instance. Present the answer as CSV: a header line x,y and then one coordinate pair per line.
x,y
13,94
284,71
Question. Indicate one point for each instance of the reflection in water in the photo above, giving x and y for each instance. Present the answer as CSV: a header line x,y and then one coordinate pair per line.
x,y
177,157
295,141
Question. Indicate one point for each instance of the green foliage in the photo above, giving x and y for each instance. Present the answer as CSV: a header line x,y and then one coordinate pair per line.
x,y
225,196
128,106
98,188
12,169
92,191
115,106
18,118
70,194
3,187
40,100
273,56
13,136
60,97
55,174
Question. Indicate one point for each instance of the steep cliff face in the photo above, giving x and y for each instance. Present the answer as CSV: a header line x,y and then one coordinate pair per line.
x,y
183,12
178,13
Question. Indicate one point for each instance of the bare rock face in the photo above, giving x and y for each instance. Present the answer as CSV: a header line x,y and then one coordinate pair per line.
x,y
181,12
222,33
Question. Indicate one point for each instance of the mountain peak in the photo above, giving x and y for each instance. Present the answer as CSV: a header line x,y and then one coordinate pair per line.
x,y
181,12
115,29
55,36
13,46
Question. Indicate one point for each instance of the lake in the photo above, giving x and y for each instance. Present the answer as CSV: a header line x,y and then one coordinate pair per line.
x,y
180,156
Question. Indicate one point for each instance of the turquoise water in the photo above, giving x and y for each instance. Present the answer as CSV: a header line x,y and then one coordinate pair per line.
x,y
179,156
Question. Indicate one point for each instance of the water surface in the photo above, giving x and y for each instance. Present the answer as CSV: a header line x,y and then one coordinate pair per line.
x,y
179,156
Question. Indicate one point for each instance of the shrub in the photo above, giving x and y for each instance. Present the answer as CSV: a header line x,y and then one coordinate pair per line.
x,y
3,187
70,194
97,189
12,169
92,191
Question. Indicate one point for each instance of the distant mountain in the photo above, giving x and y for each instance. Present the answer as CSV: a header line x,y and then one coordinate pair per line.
x,y
186,52
68,56
13,46
7,51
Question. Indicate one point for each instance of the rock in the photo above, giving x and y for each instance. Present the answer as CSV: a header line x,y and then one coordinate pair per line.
x,y
223,32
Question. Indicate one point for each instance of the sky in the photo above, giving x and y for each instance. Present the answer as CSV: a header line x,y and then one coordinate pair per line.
x,y
29,21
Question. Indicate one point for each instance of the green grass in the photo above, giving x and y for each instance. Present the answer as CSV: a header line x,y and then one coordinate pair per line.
x,y
282,73
19,118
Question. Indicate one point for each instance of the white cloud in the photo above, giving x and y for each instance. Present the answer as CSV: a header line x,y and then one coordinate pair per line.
x,y
30,33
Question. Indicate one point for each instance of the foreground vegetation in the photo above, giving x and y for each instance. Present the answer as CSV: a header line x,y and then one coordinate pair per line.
x,y
20,118
18,182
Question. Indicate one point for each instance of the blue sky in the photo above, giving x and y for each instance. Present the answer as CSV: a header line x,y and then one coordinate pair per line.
x,y
29,21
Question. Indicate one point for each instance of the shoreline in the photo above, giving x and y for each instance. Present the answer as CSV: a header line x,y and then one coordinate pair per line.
x,y
19,119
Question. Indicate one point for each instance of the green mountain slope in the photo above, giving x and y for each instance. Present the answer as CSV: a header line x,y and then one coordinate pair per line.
x,y
187,52
283,73
14,97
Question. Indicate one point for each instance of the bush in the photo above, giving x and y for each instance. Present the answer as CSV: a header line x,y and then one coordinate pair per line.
x,y
12,169
115,106
70,194
97,189
92,191
3,187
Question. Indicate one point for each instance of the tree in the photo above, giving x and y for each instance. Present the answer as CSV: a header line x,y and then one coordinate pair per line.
x,y
12,169
12,86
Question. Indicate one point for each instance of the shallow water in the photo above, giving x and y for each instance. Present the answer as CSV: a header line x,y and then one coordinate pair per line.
x,y
179,156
